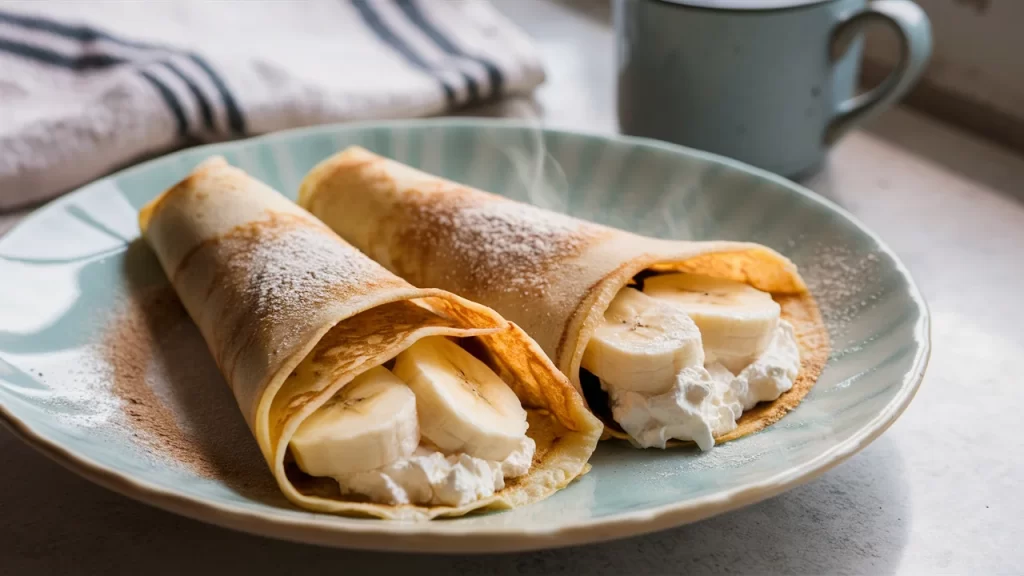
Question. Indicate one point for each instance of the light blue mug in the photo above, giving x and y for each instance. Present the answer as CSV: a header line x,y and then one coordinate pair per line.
x,y
768,82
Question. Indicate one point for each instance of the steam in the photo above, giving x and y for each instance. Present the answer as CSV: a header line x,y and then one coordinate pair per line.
x,y
665,218
542,181
541,177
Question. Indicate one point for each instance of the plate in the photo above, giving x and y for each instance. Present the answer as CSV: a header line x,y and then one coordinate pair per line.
x,y
76,263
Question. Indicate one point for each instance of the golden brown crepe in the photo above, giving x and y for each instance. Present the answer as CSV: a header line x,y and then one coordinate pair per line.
x,y
267,284
551,274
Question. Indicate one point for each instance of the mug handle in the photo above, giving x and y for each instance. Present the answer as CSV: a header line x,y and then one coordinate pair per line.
x,y
911,24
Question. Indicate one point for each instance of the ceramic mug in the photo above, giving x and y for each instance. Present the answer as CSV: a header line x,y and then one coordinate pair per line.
x,y
768,82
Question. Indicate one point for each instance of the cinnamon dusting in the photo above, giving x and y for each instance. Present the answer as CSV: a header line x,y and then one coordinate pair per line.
x,y
174,402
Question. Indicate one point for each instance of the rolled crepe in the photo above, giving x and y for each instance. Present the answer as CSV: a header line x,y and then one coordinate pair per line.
x,y
267,284
551,274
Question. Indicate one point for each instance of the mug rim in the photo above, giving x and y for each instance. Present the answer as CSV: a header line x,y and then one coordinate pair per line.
x,y
743,5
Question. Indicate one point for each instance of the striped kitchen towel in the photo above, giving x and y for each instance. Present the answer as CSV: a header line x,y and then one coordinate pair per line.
x,y
86,87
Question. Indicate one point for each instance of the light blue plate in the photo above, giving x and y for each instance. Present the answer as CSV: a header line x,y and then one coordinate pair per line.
x,y
65,268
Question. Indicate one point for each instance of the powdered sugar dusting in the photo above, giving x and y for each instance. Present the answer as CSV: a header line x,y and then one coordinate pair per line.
x,y
492,246
839,277
298,267
272,272
82,398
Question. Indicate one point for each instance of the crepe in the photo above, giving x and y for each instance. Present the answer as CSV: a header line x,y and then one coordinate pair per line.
x,y
551,274
265,282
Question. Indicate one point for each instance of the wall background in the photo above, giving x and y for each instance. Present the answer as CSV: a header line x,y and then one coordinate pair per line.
x,y
976,76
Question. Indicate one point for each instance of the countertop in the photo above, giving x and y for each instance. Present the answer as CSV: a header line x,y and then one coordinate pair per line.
x,y
937,493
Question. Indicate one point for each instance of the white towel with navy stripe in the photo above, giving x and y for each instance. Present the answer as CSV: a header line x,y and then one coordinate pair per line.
x,y
87,87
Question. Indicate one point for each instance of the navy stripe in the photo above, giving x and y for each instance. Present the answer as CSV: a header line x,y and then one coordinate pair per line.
x,y
77,32
417,18
412,10
471,87
171,100
85,34
235,119
375,23
204,104
46,56
92,61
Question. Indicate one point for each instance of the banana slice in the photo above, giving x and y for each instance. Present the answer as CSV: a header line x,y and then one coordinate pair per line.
x,y
369,423
736,320
463,405
642,344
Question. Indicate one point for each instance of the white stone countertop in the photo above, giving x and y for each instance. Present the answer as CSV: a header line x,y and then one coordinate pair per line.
x,y
937,493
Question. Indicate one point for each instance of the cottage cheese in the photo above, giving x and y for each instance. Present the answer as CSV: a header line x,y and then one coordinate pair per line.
x,y
706,401
429,477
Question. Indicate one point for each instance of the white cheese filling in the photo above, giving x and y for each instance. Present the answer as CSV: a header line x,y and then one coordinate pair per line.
x,y
430,478
706,401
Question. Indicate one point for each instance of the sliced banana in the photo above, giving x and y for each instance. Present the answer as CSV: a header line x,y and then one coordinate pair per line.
x,y
736,320
369,423
463,405
642,344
